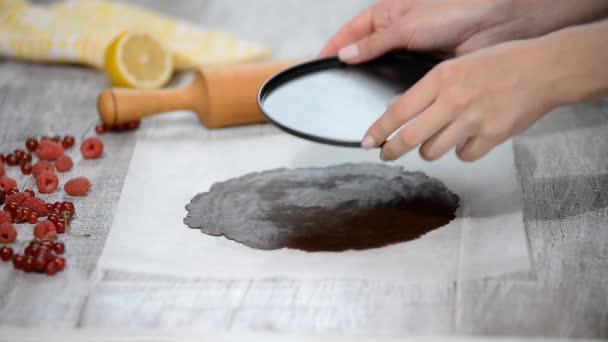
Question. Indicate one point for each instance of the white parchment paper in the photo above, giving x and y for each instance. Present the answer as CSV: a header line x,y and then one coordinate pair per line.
x,y
148,234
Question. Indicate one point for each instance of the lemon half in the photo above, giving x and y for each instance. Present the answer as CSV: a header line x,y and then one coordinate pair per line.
x,y
138,60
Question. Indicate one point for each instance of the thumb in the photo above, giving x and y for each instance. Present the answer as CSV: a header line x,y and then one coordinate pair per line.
x,y
372,46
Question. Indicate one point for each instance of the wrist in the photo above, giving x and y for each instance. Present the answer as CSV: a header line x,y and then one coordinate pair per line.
x,y
535,18
573,63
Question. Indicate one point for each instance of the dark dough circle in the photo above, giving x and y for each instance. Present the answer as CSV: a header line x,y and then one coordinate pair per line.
x,y
337,208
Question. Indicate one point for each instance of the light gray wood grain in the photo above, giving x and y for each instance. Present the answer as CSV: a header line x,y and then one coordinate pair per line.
x,y
563,166
340,307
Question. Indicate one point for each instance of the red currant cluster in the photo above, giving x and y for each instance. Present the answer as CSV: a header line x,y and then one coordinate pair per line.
x,y
41,257
19,157
21,215
60,214
25,207
129,126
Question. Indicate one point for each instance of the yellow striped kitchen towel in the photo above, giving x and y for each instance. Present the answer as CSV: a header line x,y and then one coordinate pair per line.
x,y
78,31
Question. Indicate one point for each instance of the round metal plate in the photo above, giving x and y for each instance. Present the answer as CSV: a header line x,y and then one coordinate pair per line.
x,y
330,102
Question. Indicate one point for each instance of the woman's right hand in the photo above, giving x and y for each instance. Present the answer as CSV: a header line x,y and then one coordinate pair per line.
x,y
453,27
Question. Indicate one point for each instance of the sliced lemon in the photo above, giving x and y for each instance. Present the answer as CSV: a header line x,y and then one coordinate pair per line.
x,y
138,60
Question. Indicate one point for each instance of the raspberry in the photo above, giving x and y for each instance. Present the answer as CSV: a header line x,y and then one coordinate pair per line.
x,y
37,205
7,183
91,148
64,163
47,182
2,172
5,218
43,165
45,230
8,234
17,198
77,186
49,150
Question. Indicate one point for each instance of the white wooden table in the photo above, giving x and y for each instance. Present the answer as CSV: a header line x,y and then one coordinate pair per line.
x,y
563,166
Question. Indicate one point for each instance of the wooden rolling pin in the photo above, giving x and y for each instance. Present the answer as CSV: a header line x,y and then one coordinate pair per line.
x,y
223,95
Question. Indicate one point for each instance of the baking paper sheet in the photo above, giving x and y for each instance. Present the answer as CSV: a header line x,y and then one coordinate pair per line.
x,y
172,163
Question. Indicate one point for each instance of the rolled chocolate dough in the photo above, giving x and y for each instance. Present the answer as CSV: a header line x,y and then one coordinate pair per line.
x,y
338,208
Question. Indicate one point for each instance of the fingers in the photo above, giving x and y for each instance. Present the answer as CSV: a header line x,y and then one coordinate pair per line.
x,y
420,130
371,46
413,102
458,132
356,29
475,148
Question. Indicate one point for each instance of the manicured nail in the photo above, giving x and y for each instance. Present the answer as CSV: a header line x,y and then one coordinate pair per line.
x,y
368,142
348,53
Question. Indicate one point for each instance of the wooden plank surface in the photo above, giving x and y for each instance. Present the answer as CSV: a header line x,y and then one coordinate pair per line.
x,y
563,165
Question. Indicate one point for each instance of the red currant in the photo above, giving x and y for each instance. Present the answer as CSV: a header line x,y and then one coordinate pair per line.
x,y
56,138
133,125
2,197
44,253
31,144
51,268
44,137
27,157
121,127
60,262
19,154
28,265
100,129
69,206
18,261
59,247
32,249
30,192
26,169
2,158
11,207
40,263
19,215
68,141
32,218
11,160
12,191
60,225
6,253
49,206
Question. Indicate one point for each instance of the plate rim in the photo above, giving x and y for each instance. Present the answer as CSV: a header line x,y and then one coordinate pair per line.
x,y
325,63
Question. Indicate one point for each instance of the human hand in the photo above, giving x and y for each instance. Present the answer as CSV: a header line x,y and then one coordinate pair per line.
x,y
475,102
455,27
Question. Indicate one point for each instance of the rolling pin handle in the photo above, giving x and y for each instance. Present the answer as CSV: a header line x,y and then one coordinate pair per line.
x,y
119,105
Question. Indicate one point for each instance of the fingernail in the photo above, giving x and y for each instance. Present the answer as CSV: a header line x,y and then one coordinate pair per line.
x,y
368,142
348,53
382,155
